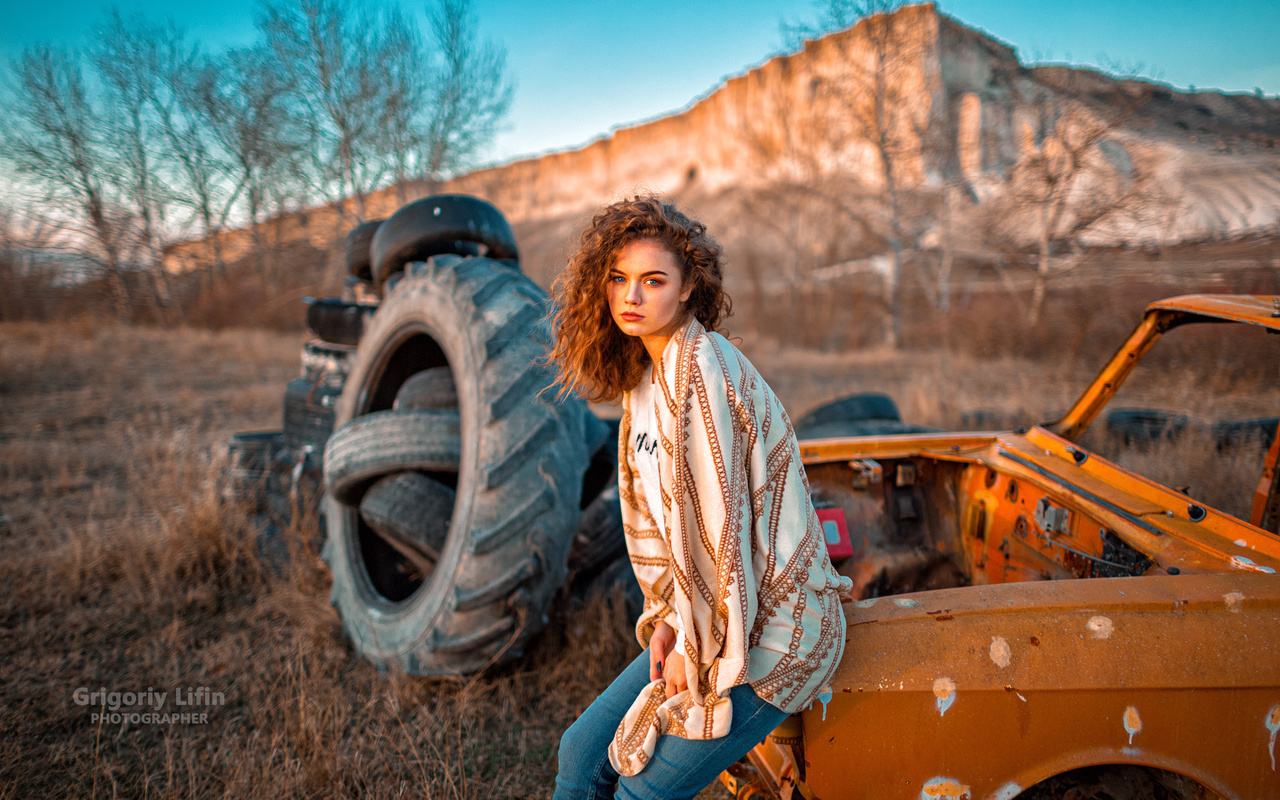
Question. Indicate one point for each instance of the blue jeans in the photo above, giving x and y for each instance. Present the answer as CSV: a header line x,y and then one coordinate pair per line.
x,y
680,768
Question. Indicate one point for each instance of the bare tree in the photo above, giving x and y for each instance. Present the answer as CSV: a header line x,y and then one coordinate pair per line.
x,y
868,112
383,104
241,98
884,110
833,15
55,139
200,170
805,213
128,57
1076,179
336,55
472,92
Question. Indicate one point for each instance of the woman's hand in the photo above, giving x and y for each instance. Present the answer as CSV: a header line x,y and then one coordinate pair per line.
x,y
660,645
664,662
673,671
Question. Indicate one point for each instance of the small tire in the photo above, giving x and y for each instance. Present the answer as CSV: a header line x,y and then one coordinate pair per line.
x,y
411,511
447,223
602,470
358,244
854,408
254,451
250,459
1145,425
600,537
618,575
523,456
308,415
385,442
1237,432
430,388
866,427
336,321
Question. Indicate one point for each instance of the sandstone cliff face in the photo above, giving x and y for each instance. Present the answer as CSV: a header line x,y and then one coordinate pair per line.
x,y
813,137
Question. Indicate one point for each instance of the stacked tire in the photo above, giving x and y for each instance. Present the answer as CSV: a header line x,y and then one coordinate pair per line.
x,y
866,414
455,474
461,495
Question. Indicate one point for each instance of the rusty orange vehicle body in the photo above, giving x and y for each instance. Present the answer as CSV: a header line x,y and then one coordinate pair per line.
x,y
1098,620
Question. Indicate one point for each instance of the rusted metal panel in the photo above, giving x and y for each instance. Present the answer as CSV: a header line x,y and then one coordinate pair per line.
x,y
1159,318
982,691
1176,672
943,446
1252,309
1149,517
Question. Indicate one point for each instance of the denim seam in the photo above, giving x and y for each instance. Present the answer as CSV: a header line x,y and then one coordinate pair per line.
x,y
592,787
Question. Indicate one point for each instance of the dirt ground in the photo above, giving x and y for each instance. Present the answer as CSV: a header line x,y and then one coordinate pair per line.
x,y
126,570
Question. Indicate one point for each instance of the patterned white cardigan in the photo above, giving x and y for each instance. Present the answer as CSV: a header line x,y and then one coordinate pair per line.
x,y
744,558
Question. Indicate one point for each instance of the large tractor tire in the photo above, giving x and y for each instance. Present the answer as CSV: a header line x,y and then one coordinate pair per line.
x,y
518,480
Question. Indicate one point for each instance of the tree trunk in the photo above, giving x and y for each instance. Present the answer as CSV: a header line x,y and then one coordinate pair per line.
x,y
1042,270
119,291
893,327
948,255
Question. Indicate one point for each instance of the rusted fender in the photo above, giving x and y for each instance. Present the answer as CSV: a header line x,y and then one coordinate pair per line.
x,y
982,691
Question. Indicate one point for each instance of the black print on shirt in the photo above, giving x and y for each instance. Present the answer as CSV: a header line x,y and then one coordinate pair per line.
x,y
646,444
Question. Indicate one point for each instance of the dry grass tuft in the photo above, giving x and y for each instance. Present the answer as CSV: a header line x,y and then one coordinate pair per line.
x,y
127,569
131,571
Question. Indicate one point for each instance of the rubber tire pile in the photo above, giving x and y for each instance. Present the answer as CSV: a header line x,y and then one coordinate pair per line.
x,y
456,480
473,473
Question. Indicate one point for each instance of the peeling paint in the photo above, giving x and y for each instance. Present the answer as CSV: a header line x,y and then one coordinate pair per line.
x,y
905,602
1100,627
1244,562
945,690
941,788
1233,600
1007,792
1000,651
1240,542
1132,723
1273,725
824,697
868,603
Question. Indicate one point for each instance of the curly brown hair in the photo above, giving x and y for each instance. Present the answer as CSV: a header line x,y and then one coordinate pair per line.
x,y
595,359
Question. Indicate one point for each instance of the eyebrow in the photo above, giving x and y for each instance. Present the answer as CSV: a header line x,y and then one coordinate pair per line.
x,y
661,272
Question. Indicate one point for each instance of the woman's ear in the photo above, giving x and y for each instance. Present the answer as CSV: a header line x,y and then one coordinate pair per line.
x,y
686,291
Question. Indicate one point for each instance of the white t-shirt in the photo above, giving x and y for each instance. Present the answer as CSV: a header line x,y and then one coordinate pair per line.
x,y
644,441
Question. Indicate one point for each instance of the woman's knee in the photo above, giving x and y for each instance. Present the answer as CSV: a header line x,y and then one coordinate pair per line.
x,y
584,746
576,744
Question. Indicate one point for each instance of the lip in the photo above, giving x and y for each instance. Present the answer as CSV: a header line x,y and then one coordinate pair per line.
x,y
630,316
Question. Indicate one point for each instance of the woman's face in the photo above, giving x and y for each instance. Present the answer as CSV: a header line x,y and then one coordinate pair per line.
x,y
646,295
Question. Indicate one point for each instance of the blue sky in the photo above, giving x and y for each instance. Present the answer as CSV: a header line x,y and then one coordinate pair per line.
x,y
582,68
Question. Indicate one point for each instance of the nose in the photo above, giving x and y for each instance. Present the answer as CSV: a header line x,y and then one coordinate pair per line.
x,y
633,296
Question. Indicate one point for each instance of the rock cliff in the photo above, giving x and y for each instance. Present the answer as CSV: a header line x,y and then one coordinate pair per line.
x,y
880,131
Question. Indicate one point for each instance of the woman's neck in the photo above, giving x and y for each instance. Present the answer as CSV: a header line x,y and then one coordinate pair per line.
x,y
655,343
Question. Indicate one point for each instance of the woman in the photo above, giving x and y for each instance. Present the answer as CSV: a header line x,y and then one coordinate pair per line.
x,y
741,622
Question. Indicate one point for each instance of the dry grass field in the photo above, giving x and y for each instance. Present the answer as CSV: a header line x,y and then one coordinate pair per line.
x,y
125,569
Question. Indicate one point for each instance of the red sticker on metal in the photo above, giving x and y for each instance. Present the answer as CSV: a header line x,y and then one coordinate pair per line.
x,y
835,531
